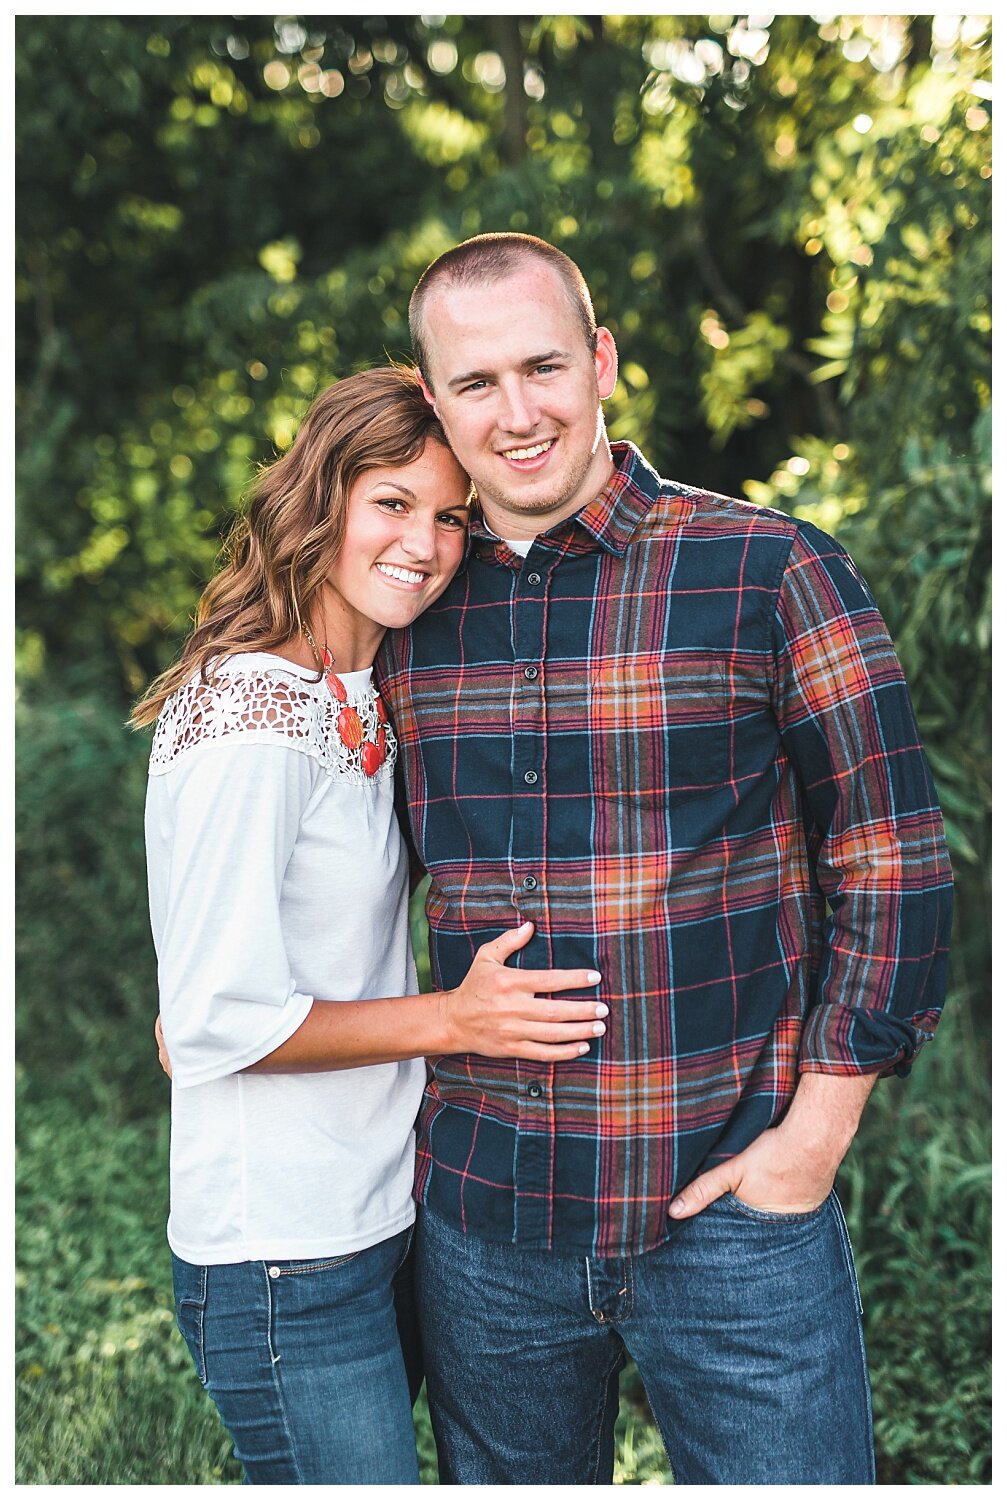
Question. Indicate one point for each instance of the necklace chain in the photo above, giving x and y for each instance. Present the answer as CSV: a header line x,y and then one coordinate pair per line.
x,y
371,753
311,642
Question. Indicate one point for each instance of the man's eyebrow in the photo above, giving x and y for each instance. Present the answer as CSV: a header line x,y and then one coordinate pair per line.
x,y
545,359
467,377
526,364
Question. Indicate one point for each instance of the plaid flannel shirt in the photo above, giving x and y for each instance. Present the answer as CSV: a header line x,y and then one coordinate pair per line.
x,y
677,738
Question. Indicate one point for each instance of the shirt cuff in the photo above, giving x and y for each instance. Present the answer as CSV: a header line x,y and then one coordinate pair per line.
x,y
845,1040
186,1074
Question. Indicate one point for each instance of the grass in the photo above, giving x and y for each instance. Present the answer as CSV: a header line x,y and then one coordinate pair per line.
x,y
105,1388
917,1187
106,1393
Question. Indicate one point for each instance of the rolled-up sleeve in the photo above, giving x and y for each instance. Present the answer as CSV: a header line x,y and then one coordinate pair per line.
x,y
875,831
227,817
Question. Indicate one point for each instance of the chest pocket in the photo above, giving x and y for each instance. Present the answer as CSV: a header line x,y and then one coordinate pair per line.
x,y
663,718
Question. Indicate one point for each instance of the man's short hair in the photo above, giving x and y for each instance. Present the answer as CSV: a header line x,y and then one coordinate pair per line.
x,y
490,257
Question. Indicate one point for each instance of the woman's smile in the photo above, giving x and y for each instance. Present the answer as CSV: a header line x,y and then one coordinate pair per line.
x,y
402,575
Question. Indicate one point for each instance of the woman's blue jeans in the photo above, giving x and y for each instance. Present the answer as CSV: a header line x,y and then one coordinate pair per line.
x,y
307,1362
745,1326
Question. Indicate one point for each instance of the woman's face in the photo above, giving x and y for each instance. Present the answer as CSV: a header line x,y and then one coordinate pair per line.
x,y
405,536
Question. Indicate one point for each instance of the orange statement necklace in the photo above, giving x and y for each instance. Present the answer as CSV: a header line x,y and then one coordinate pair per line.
x,y
348,724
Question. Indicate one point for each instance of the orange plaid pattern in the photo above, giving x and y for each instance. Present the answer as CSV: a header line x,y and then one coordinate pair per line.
x,y
677,737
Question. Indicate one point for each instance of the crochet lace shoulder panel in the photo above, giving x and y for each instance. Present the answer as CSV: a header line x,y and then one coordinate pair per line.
x,y
274,707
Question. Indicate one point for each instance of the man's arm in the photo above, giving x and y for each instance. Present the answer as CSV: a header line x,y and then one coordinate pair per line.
x,y
874,827
791,1167
877,841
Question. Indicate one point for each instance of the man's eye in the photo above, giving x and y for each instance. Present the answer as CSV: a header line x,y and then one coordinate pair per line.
x,y
545,369
476,386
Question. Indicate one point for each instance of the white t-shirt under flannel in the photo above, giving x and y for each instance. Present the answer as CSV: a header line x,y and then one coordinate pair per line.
x,y
277,876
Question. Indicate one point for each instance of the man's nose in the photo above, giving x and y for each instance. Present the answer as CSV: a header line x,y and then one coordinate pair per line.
x,y
518,411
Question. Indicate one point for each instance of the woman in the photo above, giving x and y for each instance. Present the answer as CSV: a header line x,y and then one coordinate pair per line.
x,y
278,895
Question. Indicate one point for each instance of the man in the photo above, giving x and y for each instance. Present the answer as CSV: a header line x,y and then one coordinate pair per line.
x,y
668,727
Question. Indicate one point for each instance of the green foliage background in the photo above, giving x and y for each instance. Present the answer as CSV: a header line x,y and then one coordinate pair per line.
x,y
787,227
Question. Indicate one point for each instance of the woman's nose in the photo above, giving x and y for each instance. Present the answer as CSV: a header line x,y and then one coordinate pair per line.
x,y
419,537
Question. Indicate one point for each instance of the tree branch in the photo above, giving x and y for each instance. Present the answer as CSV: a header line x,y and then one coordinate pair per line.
x,y
48,337
733,309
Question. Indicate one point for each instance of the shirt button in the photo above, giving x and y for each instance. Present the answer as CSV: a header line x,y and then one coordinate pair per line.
x,y
274,1271
534,1091
530,883
531,777
534,577
531,673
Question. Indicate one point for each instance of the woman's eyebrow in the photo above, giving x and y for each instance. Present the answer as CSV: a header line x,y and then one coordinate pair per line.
x,y
391,484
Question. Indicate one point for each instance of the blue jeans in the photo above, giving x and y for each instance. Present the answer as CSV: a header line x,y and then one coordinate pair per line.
x,y
307,1362
745,1327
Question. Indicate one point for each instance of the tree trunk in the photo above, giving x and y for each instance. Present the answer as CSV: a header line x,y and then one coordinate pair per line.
x,y
506,34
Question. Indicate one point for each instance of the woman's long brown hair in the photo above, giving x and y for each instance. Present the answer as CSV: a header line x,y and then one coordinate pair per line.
x,y
279,554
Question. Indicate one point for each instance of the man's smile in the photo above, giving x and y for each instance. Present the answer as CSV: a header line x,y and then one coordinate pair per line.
x,y
530,455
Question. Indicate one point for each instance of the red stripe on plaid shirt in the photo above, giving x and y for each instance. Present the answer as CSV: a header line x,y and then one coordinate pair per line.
x,y
730,816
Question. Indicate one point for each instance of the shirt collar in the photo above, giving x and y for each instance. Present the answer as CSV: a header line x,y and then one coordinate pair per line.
x,y
614,516
610,520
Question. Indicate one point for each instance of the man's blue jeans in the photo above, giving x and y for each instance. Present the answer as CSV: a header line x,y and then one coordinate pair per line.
x,y
305,1362
745,1327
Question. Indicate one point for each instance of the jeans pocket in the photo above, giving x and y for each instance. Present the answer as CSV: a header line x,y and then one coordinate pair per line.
x,y
190,1310
847,1244
278,1268
407,1245
769,1215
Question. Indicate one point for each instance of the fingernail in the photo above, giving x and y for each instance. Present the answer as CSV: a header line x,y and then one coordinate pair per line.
x,y
678,1206
593,977
601,1010
524,927
584,1047
598,1028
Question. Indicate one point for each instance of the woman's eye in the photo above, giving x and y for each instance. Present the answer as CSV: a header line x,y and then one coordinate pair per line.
x,y
392,505
455,522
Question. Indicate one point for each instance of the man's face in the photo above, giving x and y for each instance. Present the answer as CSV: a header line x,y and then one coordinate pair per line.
x,y
518,392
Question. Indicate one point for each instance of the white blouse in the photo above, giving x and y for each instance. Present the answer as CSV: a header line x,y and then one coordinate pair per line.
x,y
277,876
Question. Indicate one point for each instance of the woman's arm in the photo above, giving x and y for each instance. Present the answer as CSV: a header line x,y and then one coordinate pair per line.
x,y
220,836
495,1011
221,828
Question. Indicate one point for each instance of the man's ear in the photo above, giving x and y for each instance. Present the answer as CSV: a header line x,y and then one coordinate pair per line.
x,y
428,394
606,362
